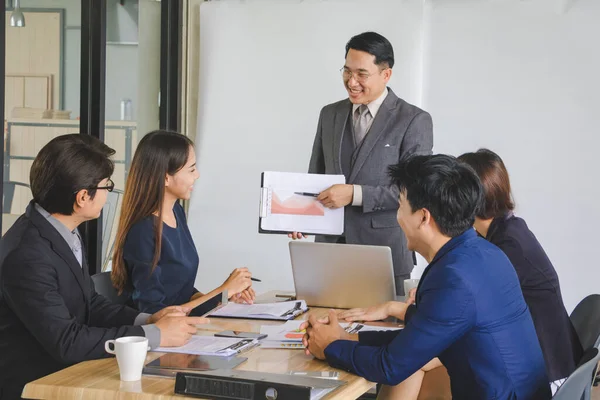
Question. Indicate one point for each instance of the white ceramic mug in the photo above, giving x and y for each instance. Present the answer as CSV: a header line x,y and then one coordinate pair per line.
x,y
131,355
410,284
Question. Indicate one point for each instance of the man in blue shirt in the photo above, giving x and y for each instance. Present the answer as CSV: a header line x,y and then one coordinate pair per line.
x,y
469,309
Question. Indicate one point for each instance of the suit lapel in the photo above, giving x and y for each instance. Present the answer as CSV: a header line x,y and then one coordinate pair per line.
x,y
58,245
339,126
86,274
381,121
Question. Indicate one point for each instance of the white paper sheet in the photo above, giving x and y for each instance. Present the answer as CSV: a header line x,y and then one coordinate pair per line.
x,y
262,311
211,345
282,209
288,336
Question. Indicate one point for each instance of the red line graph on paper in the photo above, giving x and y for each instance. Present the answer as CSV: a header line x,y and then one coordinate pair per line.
x,y
296,205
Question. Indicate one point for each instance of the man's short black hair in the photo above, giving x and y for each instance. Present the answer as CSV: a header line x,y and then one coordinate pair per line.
x,y
374,44
449,189
66,165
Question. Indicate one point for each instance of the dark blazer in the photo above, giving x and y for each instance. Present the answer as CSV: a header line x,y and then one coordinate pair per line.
x,y
541,289
399,130
50,315
470,313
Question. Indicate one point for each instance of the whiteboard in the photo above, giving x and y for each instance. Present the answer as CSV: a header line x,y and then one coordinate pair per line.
x,y
266,69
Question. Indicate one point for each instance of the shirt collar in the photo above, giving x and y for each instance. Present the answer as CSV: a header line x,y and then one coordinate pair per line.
x,y
374,105
69,236
453,243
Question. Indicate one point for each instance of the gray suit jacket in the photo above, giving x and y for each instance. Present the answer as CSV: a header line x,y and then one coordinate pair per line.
x,y
399,130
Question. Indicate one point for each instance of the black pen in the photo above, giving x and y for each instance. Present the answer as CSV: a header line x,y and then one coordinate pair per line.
x,y
255,279
307,194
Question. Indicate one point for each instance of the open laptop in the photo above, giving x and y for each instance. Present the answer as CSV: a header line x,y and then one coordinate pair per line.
x,y
342,275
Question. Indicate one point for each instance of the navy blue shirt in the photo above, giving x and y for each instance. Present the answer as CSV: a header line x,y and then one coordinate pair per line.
x,y
172,281
470,313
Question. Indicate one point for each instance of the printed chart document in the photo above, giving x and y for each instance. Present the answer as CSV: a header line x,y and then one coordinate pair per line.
x,y
282,311
211,346
288,203
289,336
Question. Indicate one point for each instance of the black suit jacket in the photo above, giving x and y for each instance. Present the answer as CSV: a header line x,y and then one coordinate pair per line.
x,y
50,315
541,290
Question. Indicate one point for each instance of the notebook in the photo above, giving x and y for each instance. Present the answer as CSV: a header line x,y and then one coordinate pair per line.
x,y
281,311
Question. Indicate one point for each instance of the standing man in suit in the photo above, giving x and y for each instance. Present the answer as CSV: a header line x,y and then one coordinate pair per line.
x,y
360,137
50,314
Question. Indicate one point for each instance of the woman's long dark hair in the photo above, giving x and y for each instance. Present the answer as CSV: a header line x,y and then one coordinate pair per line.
x,y
159,153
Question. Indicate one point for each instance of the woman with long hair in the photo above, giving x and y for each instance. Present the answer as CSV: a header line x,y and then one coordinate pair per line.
x,y
496,222
155,259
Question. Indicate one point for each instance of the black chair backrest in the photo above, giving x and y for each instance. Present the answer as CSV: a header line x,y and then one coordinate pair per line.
x,y
579,381
586,321
103,286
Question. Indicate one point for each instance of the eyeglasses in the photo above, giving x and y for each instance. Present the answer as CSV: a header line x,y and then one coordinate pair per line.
x,y
360,76
110,185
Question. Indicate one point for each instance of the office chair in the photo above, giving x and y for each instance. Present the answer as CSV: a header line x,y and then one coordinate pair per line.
x,y
103,286
586,321
579,382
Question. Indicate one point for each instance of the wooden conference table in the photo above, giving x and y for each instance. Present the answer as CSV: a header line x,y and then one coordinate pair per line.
x,y
99,379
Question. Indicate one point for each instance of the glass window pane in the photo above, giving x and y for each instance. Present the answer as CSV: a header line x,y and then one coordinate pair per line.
x,y
42,90
132,93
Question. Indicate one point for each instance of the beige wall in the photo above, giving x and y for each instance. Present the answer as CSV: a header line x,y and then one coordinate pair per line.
x,y
33,62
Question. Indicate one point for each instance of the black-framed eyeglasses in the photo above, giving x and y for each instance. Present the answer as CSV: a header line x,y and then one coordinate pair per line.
x,y
110,185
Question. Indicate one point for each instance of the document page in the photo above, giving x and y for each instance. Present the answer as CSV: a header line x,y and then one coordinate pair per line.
x,y
211,345
289,203
282,310
289,336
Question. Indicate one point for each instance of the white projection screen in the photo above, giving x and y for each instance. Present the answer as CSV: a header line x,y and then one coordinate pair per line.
x,y
266,69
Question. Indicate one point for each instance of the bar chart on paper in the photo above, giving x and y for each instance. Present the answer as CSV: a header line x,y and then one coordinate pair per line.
x,y
288,203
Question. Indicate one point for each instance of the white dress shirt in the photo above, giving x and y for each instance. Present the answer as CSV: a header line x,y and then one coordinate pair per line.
x,y
373,106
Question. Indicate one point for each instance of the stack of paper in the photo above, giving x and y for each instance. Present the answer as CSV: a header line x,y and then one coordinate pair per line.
x,y
212,346
285,336
285,310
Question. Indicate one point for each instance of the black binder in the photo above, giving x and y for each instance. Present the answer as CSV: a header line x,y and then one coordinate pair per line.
x,y
249,385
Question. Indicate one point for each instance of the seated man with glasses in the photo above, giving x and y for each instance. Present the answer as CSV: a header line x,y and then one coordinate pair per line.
x,y
359,137
50,314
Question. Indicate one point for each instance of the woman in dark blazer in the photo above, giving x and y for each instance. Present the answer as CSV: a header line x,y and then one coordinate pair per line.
x,y
539,282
